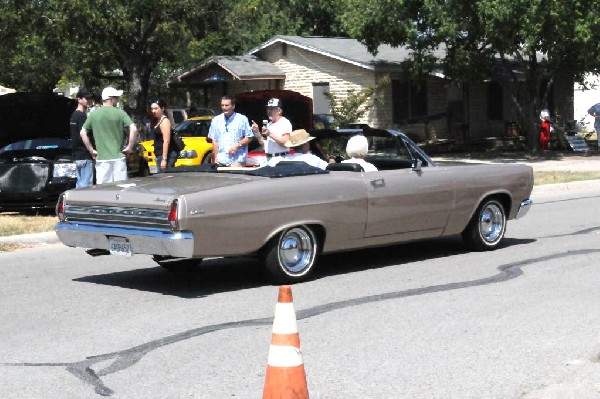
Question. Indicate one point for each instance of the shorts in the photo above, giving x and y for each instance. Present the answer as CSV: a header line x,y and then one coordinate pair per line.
x,y
111,170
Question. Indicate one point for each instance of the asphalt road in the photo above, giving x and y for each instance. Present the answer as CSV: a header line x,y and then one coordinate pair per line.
x,y
422,320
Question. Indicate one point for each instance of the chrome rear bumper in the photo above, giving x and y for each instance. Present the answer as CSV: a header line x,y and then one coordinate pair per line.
x,y
150,241
524,208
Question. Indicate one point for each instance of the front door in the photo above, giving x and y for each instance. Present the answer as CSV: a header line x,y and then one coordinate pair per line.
x,y
404,201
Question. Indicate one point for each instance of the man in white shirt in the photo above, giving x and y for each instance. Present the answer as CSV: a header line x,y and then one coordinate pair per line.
x,y
276,132
299,141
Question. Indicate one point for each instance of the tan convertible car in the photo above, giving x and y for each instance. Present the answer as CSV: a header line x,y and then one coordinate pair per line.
x,y
290,213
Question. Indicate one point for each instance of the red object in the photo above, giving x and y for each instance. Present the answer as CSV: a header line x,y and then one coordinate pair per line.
x,y
544,135
296,107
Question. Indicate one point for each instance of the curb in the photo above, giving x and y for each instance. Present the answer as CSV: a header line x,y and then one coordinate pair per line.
x,y
31,239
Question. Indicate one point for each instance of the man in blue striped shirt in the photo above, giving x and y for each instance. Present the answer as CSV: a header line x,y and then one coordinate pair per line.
x,y
230,133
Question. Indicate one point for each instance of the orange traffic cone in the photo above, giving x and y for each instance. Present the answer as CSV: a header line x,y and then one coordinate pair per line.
x,y
285,377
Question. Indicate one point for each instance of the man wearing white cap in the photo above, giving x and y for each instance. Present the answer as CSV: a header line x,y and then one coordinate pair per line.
x,y
107,124
277,131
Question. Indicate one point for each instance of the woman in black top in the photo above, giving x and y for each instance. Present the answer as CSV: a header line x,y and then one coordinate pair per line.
x,y
163,147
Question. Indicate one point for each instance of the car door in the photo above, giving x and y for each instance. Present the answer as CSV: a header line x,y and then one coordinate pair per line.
x,y
406,201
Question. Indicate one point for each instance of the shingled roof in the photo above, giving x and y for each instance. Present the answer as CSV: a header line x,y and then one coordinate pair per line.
x,y
344,49
236,67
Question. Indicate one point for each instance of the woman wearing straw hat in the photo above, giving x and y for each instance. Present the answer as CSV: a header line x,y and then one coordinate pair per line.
x,y
299,141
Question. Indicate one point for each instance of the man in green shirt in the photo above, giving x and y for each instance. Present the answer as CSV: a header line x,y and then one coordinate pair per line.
x,y
107,124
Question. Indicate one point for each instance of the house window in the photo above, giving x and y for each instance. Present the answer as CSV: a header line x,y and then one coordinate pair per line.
x,y
284,49
321,104
409,100
495,103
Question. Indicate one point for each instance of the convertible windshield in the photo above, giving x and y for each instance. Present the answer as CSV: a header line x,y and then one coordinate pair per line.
x,y
380,146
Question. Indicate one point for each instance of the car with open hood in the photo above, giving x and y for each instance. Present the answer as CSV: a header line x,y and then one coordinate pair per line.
x,y
290,213
35,150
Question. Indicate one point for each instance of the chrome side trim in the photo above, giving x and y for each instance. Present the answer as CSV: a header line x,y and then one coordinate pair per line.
x,y
149,241
524,208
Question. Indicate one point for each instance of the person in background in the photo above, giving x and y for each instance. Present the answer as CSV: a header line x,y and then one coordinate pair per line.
x,y
595,112
108,123
276,132
83,159
161,132
545,130
230,133
357,149
299,140
97,104
192,112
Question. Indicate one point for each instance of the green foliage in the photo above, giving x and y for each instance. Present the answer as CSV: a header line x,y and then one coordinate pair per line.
x,y
138,44
31,47
349,109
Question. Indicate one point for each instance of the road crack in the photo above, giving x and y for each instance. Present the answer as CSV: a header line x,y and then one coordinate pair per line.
x,y
124,359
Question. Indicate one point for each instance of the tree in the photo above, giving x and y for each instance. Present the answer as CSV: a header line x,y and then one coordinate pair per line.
x,y
524,44
135,45
31,48
349,109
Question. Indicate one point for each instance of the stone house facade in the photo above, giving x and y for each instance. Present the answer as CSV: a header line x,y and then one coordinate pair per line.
x,y
435,108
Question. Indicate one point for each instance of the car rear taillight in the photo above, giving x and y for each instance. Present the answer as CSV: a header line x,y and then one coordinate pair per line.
x,y
60,208
173,214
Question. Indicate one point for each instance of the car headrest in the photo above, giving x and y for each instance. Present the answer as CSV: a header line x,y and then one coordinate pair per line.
x,y
346,166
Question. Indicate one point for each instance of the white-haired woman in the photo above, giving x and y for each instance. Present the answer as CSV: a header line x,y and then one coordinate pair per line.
x,y
357,148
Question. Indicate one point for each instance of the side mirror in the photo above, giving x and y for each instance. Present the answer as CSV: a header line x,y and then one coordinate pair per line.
x,y
417,164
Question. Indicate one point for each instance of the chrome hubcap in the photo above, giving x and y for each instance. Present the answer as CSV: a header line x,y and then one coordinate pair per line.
x,y
297,250
491,223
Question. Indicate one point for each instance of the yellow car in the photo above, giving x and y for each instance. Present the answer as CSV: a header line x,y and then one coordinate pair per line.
x,y
198,148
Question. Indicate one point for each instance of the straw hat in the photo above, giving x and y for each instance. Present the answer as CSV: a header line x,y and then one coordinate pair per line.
x,y
298,137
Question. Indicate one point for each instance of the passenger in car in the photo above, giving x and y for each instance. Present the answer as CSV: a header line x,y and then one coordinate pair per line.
x,y
299,141
357,149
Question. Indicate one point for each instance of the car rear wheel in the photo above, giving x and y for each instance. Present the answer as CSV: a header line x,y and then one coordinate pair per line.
x,y
291,255
486,229
176,264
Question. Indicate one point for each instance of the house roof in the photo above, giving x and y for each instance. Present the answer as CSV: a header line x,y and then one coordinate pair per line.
x,y
228,67
346,50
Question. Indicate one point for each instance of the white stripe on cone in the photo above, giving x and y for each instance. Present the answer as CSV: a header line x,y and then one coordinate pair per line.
x,y
284,356
285,319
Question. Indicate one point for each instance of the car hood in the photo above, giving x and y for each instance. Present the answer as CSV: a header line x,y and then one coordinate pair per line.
x,y
28,116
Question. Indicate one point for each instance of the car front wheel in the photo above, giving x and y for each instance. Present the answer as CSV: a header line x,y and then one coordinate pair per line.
x,y
291,255
487,227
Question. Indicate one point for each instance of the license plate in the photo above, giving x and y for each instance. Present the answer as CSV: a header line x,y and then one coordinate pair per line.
x,y
119,246
153,169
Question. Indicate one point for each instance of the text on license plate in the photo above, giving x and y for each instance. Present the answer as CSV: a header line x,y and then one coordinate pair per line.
x,y
153,169
119,246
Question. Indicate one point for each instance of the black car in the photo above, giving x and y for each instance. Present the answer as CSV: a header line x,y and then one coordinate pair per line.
x,y
35,150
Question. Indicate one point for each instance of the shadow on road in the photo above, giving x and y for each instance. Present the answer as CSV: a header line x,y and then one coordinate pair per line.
x,y
232,274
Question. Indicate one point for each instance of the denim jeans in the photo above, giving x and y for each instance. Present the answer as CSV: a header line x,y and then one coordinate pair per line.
x,y
85,172
171,159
